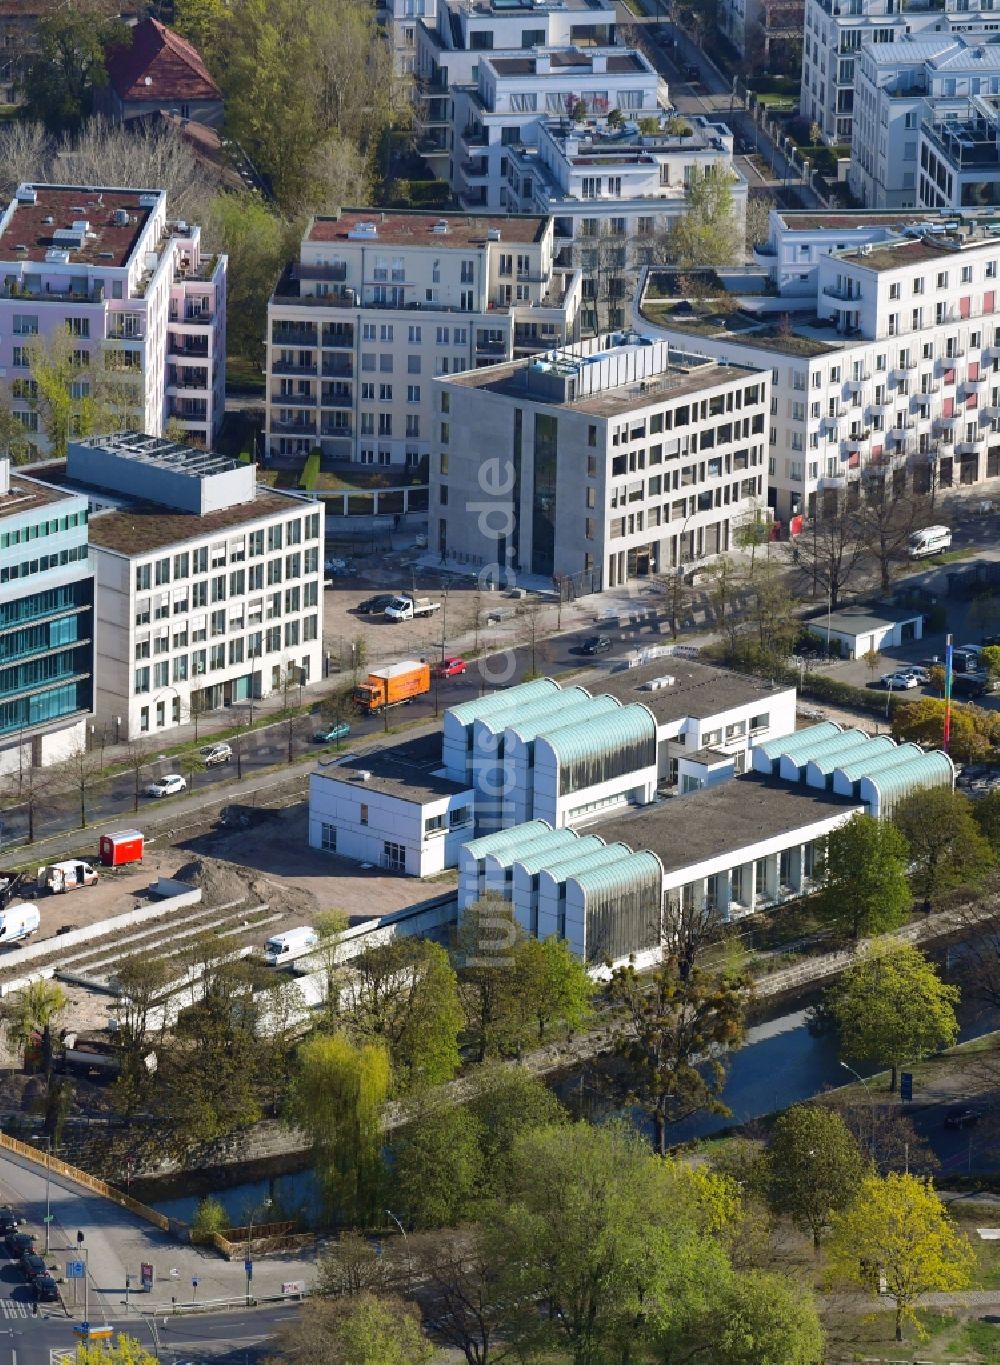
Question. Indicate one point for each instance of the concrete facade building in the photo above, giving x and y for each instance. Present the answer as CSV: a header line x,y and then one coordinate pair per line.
x,y
208,588
46,622
379,304
959,156
836,31
891,361
627,458
144,306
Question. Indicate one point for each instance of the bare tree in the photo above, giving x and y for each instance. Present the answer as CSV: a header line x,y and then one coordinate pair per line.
x,y
677,597
832,551
136,756
25,155
82,770
888,512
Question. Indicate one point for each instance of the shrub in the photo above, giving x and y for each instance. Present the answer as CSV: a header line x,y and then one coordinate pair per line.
x,y
209,1216
310,472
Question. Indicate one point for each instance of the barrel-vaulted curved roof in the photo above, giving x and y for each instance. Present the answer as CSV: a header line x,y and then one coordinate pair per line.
x,y
481,708
624,874
574,711
502,839
799,741
607,733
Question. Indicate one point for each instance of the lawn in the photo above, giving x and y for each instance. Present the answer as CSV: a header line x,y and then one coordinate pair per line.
x,y
243,374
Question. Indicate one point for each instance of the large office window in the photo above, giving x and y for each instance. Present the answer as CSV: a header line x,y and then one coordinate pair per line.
x,y
543,514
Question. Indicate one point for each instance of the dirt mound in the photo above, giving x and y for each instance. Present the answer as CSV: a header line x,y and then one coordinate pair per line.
x,y
222,883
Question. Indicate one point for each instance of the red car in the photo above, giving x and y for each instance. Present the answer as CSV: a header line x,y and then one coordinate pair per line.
x,y
450,668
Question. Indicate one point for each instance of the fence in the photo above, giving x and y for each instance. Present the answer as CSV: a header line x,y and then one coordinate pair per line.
x,y
90,1182
233,1242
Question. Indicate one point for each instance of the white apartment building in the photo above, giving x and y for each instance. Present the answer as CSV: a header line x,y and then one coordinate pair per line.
x,y
959,157
400,18
891,363
621,457
208,589
145,306
837,30
614,194
799,239
451,39
515,92
901,86
379,304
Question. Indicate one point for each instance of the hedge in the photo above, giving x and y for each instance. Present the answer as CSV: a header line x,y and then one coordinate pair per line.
x,y
310,472
818,686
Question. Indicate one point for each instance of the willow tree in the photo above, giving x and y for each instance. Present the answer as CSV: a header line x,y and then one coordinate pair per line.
x,y
337,1098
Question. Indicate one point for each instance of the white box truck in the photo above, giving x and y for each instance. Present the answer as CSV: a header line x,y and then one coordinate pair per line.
x,y
929,540
290,945
66,876
19,921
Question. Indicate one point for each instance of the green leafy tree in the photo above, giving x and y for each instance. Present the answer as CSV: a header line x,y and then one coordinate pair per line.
x,y
123,1351
986,813
946,846
32,1012
991,662
258,243
762,1319
892,1007
201,22
866,876
814,1167
591,1231
974,731
506,1102
210,1215
140,981
708,233
675,1032
337,1098
68,65
330,926
404,993
438,1167
897,1228
362,1330
552,984
483,951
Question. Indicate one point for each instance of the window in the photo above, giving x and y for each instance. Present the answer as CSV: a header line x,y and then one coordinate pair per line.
x,y
143,577
413,393
413,334
328,837
363,814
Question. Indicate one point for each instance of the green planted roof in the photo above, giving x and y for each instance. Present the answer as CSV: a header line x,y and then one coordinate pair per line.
x,y
605,733
481,708
573,712
501,839
799,740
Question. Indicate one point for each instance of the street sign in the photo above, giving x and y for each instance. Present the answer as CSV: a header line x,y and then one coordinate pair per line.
x,y
49,1218
79,1238
92,1331
146,1275
248,1267
76,1270
906,1085
293,1287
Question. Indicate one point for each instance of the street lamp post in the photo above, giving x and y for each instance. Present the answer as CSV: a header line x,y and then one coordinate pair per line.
x,y
406,1240
265,1204
871,1101
48,1203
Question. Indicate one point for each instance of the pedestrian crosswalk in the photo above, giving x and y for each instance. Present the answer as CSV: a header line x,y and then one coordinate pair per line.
x,y
13,1308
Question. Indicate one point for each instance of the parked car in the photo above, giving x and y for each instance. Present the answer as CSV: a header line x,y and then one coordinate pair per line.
x,y
921,674
214,754
450,668
340,568
962,1116
8,1221
692,72
595,644
169,785
898,681
45,1289
339,731
375,606
32,1265
17,1243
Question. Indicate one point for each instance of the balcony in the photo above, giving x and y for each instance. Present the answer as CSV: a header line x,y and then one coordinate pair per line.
x,y
330,429
292,367
290,335
992,411
338,337
855,385
293,400
301,428
903,368
840,295
975,385
473,138
474,171
187,347
338,367
969,447
498,348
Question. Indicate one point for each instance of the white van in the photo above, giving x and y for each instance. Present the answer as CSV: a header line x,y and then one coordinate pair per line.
x,y
19,921
294,943
930,540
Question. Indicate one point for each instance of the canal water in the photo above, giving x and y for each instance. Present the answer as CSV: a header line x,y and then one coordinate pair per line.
x,y
781,1063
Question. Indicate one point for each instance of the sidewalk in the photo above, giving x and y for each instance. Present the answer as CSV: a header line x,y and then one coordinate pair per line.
x,y
116,1243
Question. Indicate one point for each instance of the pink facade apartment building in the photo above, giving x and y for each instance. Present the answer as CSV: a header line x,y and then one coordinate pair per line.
x,y
134,290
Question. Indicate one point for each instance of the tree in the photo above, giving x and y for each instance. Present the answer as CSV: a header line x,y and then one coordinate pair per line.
x,y
866,882
140,981
890,1006
888,513
258,243
337,1098
404,993
125,1351
32,789
483,954
814,1167
201,22
725,588
136,757
459,1294
32,1011
437,1167
329,953
591,1232
68,65
552,984
678,596
832,552
673,1039
25,152
945,844
506,1102
973,731
762,1319
986,813
104,152
72,399
354,1264
898,1229
363,1330
709,232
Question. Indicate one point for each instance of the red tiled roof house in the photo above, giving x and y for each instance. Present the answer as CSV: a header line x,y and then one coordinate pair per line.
x,y
159,71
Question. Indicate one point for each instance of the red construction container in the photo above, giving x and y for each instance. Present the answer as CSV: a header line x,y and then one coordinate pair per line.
x,y
115,850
